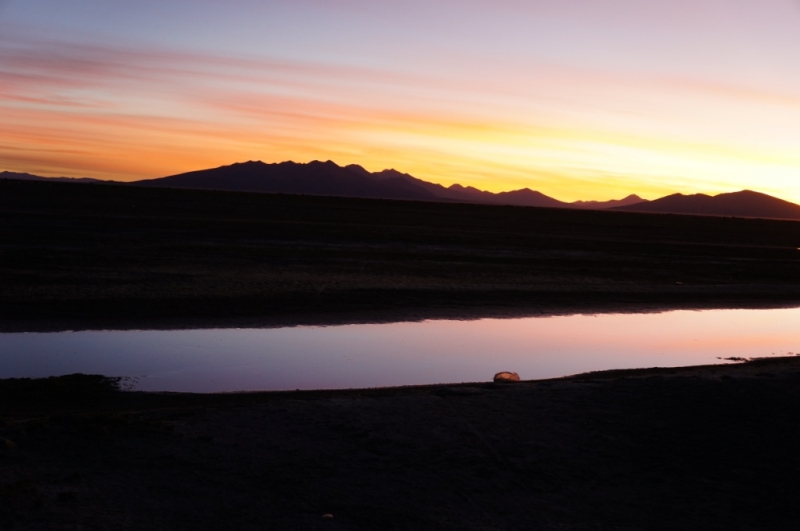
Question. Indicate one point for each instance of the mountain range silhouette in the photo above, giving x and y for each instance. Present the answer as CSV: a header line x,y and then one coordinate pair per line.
x,y
329,179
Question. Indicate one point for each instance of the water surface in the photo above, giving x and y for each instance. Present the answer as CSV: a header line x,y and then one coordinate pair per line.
x,y
373,355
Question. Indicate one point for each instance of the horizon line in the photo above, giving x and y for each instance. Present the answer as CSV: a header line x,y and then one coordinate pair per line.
x,y
259,161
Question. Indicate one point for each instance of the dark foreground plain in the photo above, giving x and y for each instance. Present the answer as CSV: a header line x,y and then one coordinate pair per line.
x,y
695,448
76,256
657,449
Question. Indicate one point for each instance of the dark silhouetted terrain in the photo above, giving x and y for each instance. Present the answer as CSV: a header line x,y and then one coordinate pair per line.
x,y
81,255
653,449
30,177
314,178
329,179
746,204
646,450
632,199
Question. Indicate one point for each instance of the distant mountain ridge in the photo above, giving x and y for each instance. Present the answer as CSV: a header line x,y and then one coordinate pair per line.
x,y
328,178
746,204
30,177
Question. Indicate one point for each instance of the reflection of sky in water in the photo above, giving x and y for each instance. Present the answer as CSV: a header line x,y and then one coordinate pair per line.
x,y
401,353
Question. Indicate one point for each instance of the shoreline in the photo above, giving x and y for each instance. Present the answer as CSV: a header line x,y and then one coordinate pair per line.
x,y
549,305
95,390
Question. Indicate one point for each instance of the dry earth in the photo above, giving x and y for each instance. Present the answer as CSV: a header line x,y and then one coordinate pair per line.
x,y
696,448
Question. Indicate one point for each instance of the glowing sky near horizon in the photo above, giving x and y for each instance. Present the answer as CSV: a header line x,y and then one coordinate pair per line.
x,y
579,99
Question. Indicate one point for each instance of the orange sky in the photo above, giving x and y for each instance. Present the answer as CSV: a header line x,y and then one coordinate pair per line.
x,y
562,97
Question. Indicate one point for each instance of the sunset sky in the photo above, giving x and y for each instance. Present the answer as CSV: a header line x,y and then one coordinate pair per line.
x,y
579,99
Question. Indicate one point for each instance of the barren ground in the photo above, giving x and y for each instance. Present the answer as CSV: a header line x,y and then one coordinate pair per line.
x,y
696,448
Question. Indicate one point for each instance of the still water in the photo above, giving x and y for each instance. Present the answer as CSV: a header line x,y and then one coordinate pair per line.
x,y
375,355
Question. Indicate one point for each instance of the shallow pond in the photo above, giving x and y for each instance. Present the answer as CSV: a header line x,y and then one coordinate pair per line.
x,y
375,355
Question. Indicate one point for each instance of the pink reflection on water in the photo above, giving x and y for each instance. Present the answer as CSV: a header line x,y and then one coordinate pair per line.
x,y
402,353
